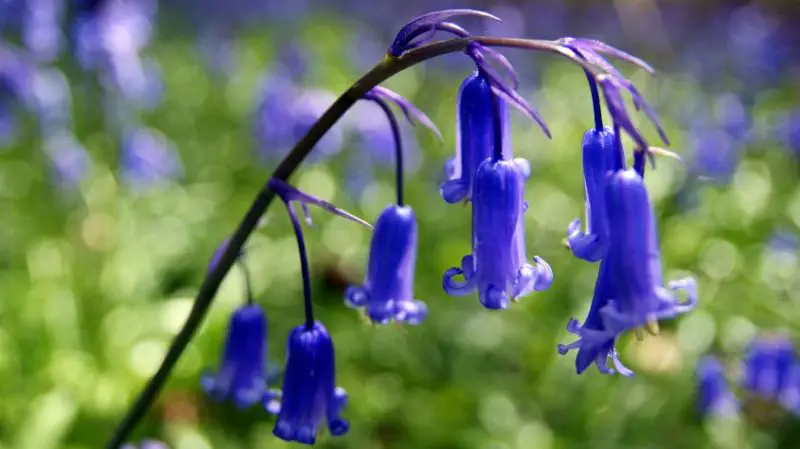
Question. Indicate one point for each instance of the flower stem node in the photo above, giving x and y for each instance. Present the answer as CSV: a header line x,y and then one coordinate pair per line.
x,y
241,376
310,396
387,292
498,266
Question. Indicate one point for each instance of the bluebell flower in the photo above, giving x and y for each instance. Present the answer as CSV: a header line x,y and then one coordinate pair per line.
x,y
595,344
242,375
8,125
310,397
768,366
601,157
388,289
714,396
148,158
498,267
70,161
41,31
109,39
640,297
146,444
474,136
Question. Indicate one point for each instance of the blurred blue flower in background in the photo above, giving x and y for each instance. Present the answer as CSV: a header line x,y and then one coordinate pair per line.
x,y
310,396
8,124
69,159
146,444
242,376
109,40
388,289
714,395
41,30
148,158
768,367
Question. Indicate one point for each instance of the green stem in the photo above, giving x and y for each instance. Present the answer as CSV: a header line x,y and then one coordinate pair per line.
x,y
205,295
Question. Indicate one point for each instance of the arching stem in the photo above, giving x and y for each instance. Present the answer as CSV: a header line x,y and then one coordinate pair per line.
x,y
205,295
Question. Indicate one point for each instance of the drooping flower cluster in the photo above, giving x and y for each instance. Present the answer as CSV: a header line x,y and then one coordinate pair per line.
x,y
620,232
620,225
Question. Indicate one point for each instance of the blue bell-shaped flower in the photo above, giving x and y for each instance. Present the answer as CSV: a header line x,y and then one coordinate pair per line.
x,y
640,297
601,156
596,344
497,266
387,293
241,375
474,136
310,396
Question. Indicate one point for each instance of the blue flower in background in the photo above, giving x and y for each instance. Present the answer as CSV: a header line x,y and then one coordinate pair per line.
x,y
788,131
70,161
286,112
148,158
714,395
242,375
388,290
601,157
768,367
41,30
498,266
8,125
109,38
634,260
474,136
310,397
146,444
596,343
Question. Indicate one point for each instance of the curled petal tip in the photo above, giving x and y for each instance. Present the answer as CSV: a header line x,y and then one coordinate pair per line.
x,y
514,99
595,46
413,114
289,193
427,23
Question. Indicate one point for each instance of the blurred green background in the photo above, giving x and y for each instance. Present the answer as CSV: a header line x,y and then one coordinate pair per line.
x,y
96,278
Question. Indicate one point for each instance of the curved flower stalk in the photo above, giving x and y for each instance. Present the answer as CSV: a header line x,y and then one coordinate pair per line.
x,y
242,375
310,397
595,344
602,155
634,259
714,396
387,292
309,393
